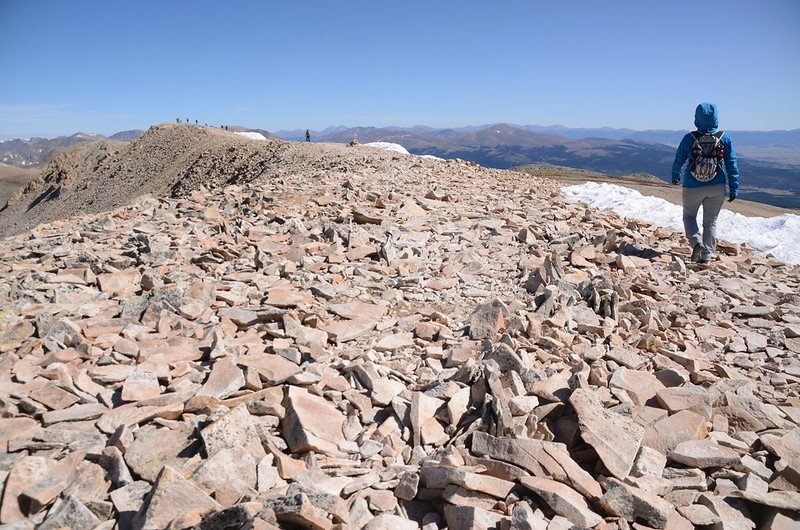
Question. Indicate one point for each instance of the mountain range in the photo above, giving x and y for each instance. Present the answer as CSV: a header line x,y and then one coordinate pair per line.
x,y
768,160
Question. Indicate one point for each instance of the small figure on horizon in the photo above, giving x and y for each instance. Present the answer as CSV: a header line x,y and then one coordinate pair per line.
x,y
711,162
308,135
178,120
195,122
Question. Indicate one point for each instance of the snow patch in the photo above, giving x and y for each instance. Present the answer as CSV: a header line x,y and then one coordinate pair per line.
x,y
252,135
779,236
431,157
388,146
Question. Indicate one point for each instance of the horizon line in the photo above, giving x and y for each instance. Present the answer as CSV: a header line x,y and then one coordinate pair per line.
x,y
401,127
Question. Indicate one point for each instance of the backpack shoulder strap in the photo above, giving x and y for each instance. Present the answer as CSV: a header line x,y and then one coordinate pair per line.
x,y
696,134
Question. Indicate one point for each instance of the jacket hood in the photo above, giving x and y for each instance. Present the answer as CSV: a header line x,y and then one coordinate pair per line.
x,y
706,118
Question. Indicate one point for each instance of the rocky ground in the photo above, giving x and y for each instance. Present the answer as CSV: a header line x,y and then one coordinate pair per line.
x,y
350,338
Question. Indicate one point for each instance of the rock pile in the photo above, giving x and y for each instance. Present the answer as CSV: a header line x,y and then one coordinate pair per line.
x,y
395,345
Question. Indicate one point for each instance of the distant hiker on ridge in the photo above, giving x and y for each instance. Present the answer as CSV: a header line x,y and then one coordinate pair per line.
x,y
308,135
704,178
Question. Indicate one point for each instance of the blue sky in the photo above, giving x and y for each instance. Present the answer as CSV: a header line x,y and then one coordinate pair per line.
x,y
109,66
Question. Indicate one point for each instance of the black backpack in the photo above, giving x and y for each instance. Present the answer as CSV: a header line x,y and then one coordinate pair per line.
x,y
707,152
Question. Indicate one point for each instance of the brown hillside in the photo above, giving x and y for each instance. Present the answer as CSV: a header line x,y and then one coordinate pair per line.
x,y
13,178
168,160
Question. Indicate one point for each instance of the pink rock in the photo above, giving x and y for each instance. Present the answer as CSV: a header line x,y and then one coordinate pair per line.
x,y
347,330
395,342
358,310
286,298
234,430
274,369
120,283
172,496
312,423
564,500
54,397
664,435
225,379
140,385
615,437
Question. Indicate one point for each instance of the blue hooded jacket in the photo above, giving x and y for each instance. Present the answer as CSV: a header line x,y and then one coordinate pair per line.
x,y
706,119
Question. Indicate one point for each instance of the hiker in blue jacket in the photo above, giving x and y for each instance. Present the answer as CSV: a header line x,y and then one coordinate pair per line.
x,y
705,160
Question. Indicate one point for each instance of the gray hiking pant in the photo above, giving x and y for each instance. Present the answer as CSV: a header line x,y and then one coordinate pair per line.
x,y
711,199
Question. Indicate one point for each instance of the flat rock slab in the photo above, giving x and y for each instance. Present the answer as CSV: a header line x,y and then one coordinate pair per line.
x,y
473,517
71,513
228,474
86,411
16,336
627,358
358,310
395,342
541,458
54,397
120,283
172,496
132,414
40,479
564,500
128,499
632,503
641,386
710,331
691,398
13,428
792,345
234,430
286,298
616,438
386,521
312,423
273,369
665,434
784,500
347,330
752,311
439,477
140,385
224,380
425,428
153,448
704,454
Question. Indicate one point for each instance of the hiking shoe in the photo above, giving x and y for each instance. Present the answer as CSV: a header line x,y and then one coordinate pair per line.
x,y
703,259
697,252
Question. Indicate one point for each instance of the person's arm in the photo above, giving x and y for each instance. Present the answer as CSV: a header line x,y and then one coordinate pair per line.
x,y
681,155
731,166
